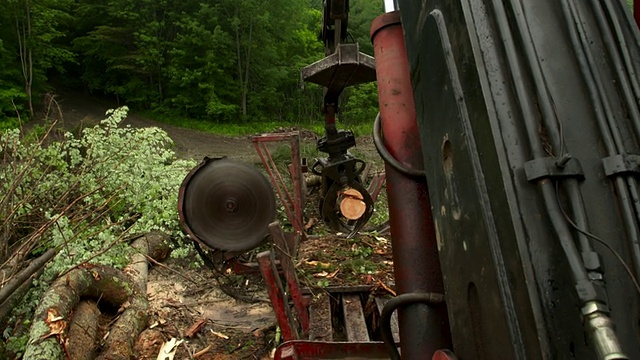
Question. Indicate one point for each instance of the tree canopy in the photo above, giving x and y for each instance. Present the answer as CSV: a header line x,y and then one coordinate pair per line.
x,y
220,60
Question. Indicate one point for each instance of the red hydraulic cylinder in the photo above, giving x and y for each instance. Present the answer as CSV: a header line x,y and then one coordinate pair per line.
x,y
636,11
423,328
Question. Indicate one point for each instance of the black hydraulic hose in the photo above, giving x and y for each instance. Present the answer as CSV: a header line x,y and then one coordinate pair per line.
x,y
522,94
615,21
550,119
391,306
549,116
386,155
560,226
579,217
631,88
592,69
623,81
609,131
564,234
609,142
592,80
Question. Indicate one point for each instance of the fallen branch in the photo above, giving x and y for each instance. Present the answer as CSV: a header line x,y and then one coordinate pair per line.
x,y
17,280
12,301
203,351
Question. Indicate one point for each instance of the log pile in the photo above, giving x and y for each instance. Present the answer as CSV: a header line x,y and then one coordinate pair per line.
x,y
63,321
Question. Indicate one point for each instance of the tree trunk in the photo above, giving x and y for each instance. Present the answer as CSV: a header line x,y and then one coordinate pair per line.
x,y
243,101
245,88
83,331
23,31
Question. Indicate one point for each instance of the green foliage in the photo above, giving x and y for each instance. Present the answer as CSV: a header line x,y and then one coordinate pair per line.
x,y
31,48
361,14
229,129
221,61
86,195
361,105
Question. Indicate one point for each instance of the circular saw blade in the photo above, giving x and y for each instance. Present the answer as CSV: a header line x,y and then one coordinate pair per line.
x,y
228,205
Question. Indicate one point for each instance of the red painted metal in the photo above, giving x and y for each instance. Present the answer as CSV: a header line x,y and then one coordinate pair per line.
x,y
292,202
375,186
313,350
276,295
285,256
444,355
636,11
423,330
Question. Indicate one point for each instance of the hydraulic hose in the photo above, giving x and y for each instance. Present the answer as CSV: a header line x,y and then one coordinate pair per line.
x,y
611,136
623,81
607,345
546,187
550,119
386,155
615,21
391,306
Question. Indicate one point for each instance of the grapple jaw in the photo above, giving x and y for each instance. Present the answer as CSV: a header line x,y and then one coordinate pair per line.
x,y
346,206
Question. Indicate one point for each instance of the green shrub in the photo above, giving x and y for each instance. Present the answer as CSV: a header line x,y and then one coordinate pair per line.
x,y
85,196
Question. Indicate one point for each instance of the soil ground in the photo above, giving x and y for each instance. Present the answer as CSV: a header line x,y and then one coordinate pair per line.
x,y
186,302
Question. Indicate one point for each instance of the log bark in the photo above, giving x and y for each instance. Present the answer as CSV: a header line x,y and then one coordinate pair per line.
x,y
153,245
50,326
83,331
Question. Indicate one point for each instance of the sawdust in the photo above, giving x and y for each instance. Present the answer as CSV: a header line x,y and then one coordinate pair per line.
x,y
227,326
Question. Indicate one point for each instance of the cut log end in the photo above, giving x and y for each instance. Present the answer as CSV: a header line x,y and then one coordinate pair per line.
x,y
351,206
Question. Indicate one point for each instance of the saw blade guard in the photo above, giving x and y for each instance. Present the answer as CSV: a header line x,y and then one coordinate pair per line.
x,y
226,205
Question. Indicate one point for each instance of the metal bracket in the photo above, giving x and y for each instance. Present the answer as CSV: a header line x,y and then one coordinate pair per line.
x,y
549,167
346,67
621,164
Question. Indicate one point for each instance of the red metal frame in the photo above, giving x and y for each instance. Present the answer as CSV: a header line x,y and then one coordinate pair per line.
x,y
312,350
286,263
280,304
308,350
292,202
375,186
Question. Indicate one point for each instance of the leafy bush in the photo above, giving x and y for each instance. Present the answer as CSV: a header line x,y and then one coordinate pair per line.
x,y
361,106
86,196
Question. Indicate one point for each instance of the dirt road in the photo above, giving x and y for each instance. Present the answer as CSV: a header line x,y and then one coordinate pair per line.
x,y
82,111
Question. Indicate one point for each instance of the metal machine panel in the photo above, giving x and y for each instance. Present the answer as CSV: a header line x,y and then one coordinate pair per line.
x,y
509,286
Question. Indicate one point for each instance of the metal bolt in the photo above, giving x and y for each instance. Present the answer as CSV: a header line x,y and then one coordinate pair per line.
x,y
231,205
562,162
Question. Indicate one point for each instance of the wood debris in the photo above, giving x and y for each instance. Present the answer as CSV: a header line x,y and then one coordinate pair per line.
x,y
168,349
220,335
195,328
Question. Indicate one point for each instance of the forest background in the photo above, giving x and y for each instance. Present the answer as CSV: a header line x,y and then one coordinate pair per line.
x,y
216,61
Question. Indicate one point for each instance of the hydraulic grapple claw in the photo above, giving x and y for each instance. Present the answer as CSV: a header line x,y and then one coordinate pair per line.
x,y
346,205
